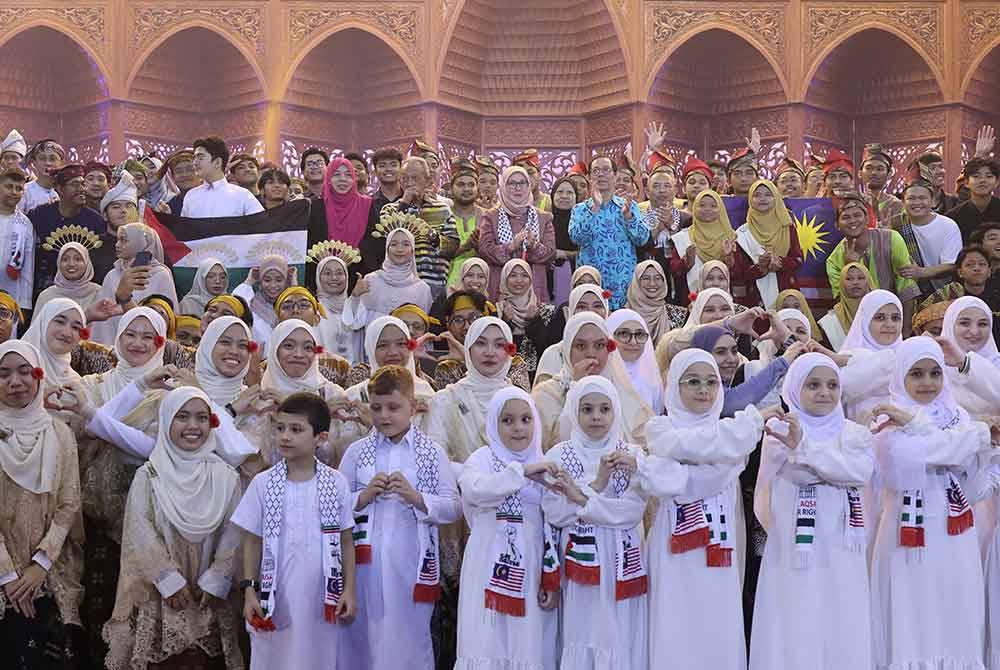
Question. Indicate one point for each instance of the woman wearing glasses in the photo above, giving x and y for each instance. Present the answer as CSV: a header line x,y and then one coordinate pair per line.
x,y
515,228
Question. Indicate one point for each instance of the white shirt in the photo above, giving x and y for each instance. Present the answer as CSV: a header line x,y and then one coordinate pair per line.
x,y
219,198
17,237
939,242
36,195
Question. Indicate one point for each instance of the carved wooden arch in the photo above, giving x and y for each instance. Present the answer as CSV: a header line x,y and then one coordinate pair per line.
x,y
455,13
683,37
197,21
974,63
321,36
873,24
66,30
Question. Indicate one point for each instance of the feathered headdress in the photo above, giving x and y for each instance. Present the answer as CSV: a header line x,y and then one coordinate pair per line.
x,y
395,219
344,252
73,233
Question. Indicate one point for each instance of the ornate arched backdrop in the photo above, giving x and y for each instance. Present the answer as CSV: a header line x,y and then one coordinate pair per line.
x,y
109,78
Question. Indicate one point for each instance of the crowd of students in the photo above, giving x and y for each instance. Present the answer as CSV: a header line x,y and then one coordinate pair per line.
x,y
499,430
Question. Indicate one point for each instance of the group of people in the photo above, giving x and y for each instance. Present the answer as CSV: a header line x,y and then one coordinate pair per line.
x,y
487,427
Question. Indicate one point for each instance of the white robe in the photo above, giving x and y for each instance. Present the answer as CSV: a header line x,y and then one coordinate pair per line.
x,y
688,598
928,604
815,617
489,640
304,638
865,381
599,632
390,629
835,333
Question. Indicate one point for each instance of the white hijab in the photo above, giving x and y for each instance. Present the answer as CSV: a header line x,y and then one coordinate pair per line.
x,y
590,450
277,379
698,306
57,367
766,347
532,492
82,290
124,373
374,331
333,303
643,372
475,384
943,411
678,414
989,349
193,304
29,446
822,428
860,335
192,488
221,389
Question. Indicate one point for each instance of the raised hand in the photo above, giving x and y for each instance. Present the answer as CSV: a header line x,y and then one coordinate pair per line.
x,y
985,139
656,135
894,415
360,287
792,436
953,356
754,141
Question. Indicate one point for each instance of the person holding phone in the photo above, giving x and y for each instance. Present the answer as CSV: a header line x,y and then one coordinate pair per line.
x,y
139,272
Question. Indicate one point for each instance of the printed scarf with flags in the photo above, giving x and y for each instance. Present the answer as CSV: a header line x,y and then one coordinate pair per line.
x,y
805,525
427,588
911,519
959,513
505,586
703,523
582,557
551,576
330,501
719,552
854,528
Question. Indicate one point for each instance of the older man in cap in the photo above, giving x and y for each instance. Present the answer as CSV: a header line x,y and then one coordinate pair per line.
x,y
45,157
423,150
12,151
532,164
70,209
876,168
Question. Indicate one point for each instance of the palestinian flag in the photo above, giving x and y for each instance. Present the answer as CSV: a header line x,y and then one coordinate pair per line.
x,y
240,242
816,225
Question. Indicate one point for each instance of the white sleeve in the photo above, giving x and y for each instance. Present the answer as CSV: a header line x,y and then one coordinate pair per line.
x,y
489,489
232,445
244,291
847,461
444,507
867,373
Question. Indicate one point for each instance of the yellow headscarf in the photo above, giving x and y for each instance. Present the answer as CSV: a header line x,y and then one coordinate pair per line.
x,y
171,318
299,290
709,236
7,301
803,307
410,308
231,302
848,307
771,229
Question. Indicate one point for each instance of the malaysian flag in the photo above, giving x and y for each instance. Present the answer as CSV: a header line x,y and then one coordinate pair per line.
x,y
507,578
690,516
633,561
429,569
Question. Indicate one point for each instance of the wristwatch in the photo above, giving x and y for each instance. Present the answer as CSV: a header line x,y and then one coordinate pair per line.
x,y
249,583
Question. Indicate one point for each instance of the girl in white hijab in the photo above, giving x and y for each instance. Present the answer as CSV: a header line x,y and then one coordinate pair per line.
x,y
293,345
138,352
968,329
597,501
589,352
335,335
456,418
80,288
642,369
501,485
698,536
926,565
193,304
397,283
55,331
551,361
178,551
39,513
810,499
134,238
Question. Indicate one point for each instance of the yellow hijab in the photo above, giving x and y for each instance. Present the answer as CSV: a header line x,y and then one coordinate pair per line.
x,y
846,308
803,307
709,236
771,229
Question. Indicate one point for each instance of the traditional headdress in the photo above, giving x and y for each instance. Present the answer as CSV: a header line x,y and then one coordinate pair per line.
x,y
486,164
341,250
463,166
875,152
412,223
743,157
528,156
55,240
838,160
14,143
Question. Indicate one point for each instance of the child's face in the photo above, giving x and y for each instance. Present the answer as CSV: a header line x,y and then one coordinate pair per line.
x,y
190,426
886,325
392,413
698,388
924,381
596,414
516,425
295,437
972,329
296,353
820,392
231,351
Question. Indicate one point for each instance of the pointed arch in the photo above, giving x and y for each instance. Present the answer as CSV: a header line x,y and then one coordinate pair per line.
x,y
974,65
68,32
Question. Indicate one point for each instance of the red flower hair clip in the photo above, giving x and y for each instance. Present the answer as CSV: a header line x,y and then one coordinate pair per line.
x,y
606,294
692,296
252,347
411,344
159,341
319,349
510,348
85,333
37,373
213,420
611,346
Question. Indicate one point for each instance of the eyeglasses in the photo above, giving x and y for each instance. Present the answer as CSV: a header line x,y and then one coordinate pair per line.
x,y
517,184
316,163
6,314
696,384
304,306
637,336
462,321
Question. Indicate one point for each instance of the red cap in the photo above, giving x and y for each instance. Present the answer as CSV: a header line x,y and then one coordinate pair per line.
x,y
744,156
659,162
528,156
838,160
694,164
579,168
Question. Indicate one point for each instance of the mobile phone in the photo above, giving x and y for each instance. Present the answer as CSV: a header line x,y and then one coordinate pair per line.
x,y
142,258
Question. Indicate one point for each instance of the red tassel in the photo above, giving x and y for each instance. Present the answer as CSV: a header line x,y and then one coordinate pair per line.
x,y
911,537
590,576
689,541
252,346
426,593
551,581
498,602
692,296
330,613
961,523
411,344
717,557
632,588
606,294
510,348
363,554
13,273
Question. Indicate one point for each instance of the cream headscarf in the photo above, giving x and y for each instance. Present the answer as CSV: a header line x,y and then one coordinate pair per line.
x,y
192,488
708,267
106,386
193,304
514,308
29,446
468,264
57,367
653,310
261,307
374,331
989,349
586,270
333,303
221,389
943,411
643,372
400,275
698,306
82,290
277,379
860,335
475,384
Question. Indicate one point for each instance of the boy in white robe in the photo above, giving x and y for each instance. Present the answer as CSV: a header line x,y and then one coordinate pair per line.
x,y
403,488
298,552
